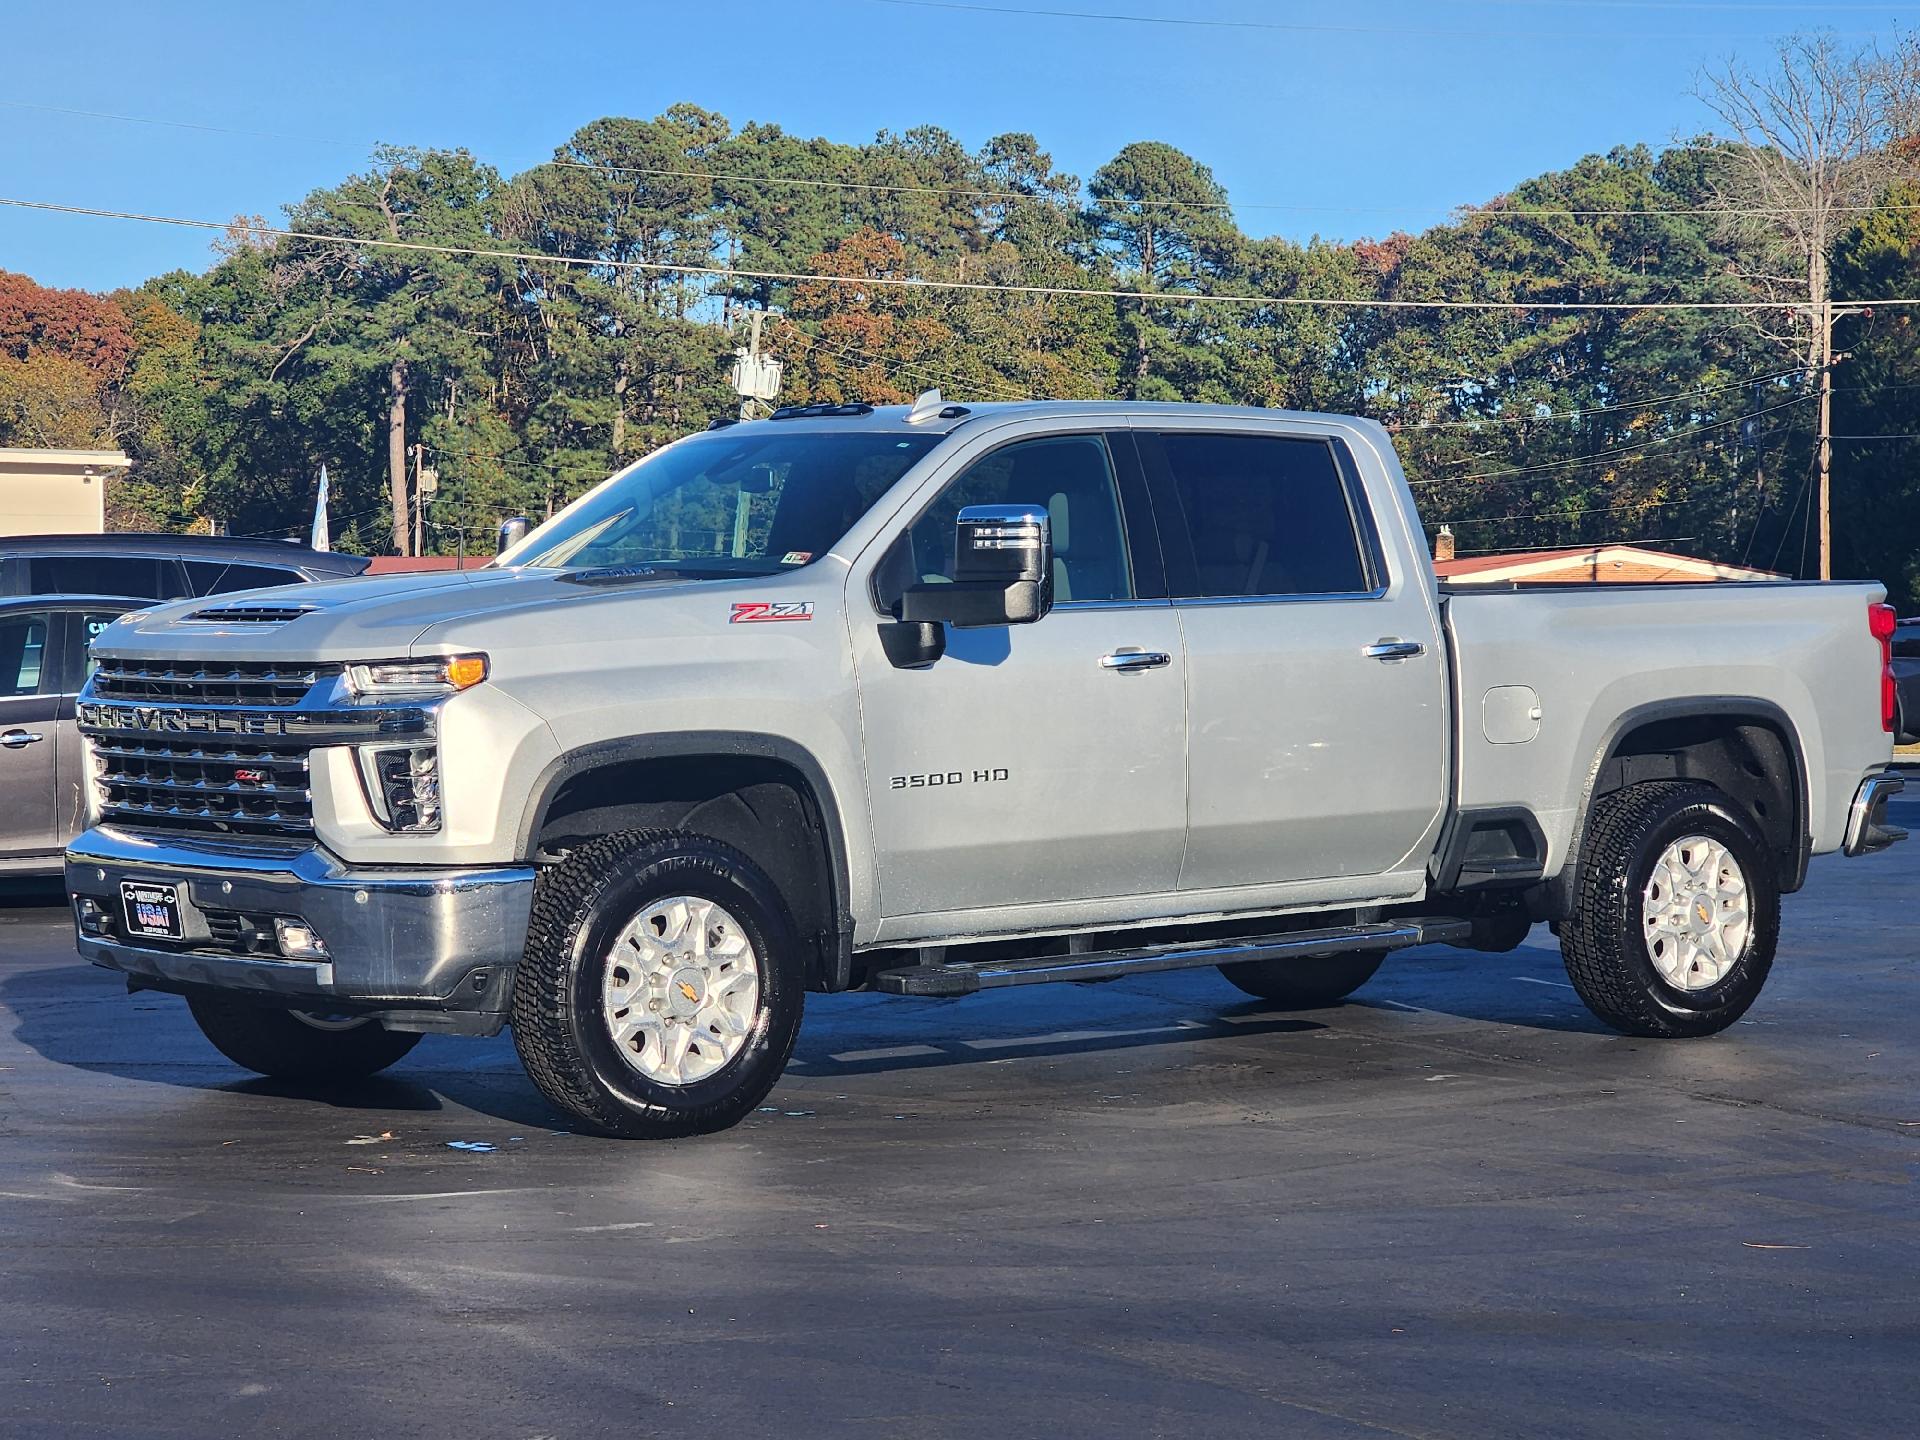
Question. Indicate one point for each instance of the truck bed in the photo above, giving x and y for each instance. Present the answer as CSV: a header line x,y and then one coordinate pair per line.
x,y
1547,677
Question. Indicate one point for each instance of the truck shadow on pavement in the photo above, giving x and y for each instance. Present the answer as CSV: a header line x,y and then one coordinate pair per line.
x,y
820,1052
62,1014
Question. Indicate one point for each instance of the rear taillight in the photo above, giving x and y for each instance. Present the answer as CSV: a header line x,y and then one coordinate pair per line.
x,y
1880,620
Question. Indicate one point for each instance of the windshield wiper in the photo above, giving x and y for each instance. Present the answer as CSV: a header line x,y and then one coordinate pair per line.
x,y
657,570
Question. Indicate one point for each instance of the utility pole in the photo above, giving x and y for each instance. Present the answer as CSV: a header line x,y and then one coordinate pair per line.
x,y
756,377
425,484
1826,439
1829,357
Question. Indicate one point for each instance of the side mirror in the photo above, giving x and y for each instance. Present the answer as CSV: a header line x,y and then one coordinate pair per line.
x,y
512,531
1002,574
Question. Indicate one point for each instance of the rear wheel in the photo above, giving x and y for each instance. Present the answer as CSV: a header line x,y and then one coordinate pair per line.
x,y
1304,984
661,988
1677,912
297,1044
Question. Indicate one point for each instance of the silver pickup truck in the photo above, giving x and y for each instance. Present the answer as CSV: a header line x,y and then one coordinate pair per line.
x,y
936,699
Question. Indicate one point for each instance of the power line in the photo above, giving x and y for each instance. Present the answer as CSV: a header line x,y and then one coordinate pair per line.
x,y
1605,409
1570,514
1493,210
1728,6
1299,28
1602,456
724,273
1599,545
905,367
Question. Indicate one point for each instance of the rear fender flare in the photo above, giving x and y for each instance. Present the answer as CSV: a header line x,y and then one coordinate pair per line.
x,y
1559,891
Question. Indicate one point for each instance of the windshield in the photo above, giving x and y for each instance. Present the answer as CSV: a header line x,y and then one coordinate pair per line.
x,y
747,501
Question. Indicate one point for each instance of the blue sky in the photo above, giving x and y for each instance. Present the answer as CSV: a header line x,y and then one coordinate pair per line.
x,y
1373,115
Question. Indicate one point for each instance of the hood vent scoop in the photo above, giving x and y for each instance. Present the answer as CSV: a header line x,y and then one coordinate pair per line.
x,y
250,614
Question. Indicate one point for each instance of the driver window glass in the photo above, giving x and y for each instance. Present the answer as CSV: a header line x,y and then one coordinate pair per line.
x,y
1072,476
23,654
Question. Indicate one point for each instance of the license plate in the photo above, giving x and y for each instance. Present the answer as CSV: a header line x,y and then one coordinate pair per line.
x,y
152,911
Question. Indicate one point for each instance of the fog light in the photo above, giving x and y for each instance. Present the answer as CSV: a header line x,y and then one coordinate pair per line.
x,y
93,919
403,786
297,941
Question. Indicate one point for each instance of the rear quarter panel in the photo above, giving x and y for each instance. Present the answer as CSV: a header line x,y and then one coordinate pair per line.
x,y
1594,656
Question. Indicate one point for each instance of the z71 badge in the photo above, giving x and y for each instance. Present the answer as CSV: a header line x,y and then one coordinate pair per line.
x,y
763,612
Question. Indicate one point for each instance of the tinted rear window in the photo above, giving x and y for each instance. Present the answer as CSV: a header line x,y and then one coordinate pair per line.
x,y
212,577
139,576
1267,514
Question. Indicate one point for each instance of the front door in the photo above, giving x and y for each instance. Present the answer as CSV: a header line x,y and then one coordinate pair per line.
x,y
1315,683
29,711
1032,764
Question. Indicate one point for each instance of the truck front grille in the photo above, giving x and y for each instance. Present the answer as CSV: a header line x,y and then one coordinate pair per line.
x,y
193,682
224,746
244,787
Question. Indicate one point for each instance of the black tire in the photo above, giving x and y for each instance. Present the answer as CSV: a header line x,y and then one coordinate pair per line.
x,y
1306,984
281,1044
1605,942
579,909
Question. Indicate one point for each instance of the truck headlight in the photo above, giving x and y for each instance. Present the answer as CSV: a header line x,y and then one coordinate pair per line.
x,y
403,786
417,679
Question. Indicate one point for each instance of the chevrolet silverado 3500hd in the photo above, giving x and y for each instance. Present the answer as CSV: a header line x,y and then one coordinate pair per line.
x,y
936,699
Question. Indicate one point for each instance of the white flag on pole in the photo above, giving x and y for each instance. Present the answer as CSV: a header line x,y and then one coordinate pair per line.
x,y
321,540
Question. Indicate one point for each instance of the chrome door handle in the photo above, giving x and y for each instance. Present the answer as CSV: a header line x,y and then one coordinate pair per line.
x,y
20,739
1128,660
1393,650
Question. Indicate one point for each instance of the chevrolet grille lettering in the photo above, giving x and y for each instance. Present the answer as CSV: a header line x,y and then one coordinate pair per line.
x,y
166,721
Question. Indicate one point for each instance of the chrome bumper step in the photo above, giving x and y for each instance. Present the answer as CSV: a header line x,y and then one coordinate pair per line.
x,y
963,977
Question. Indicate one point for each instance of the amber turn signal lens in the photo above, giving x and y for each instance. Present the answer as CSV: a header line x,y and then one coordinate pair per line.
x,y
466,670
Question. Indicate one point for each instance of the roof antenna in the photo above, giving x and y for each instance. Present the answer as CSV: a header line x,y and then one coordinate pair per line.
x,y
927,405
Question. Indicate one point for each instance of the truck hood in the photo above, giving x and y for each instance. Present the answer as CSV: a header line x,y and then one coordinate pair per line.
x,y
365,618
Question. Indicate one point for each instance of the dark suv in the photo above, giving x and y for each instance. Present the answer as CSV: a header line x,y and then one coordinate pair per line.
x,y
1906,679
159,567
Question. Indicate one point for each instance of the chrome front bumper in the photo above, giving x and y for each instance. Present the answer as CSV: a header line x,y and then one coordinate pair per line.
x,y
1867,827
430,949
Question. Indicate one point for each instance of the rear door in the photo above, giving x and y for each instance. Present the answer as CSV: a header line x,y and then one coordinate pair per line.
x,y
1315,684
1033,765
29,712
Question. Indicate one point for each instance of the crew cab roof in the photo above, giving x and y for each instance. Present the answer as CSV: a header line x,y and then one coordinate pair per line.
x,y
948,417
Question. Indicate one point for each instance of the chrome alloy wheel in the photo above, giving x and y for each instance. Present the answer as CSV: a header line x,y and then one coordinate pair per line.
x,y
682,989
1695,913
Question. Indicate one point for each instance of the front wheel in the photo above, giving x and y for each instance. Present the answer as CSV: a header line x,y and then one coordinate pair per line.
x,y
1677,911
1305,984
306,1045
661,987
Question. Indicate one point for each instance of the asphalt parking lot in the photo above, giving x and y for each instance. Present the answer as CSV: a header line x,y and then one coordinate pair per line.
x,y
1451,1207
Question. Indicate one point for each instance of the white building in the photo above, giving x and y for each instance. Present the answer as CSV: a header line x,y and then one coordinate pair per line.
x,y
55,492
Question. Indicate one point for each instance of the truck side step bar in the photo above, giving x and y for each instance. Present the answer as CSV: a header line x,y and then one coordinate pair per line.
x,y
963,977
